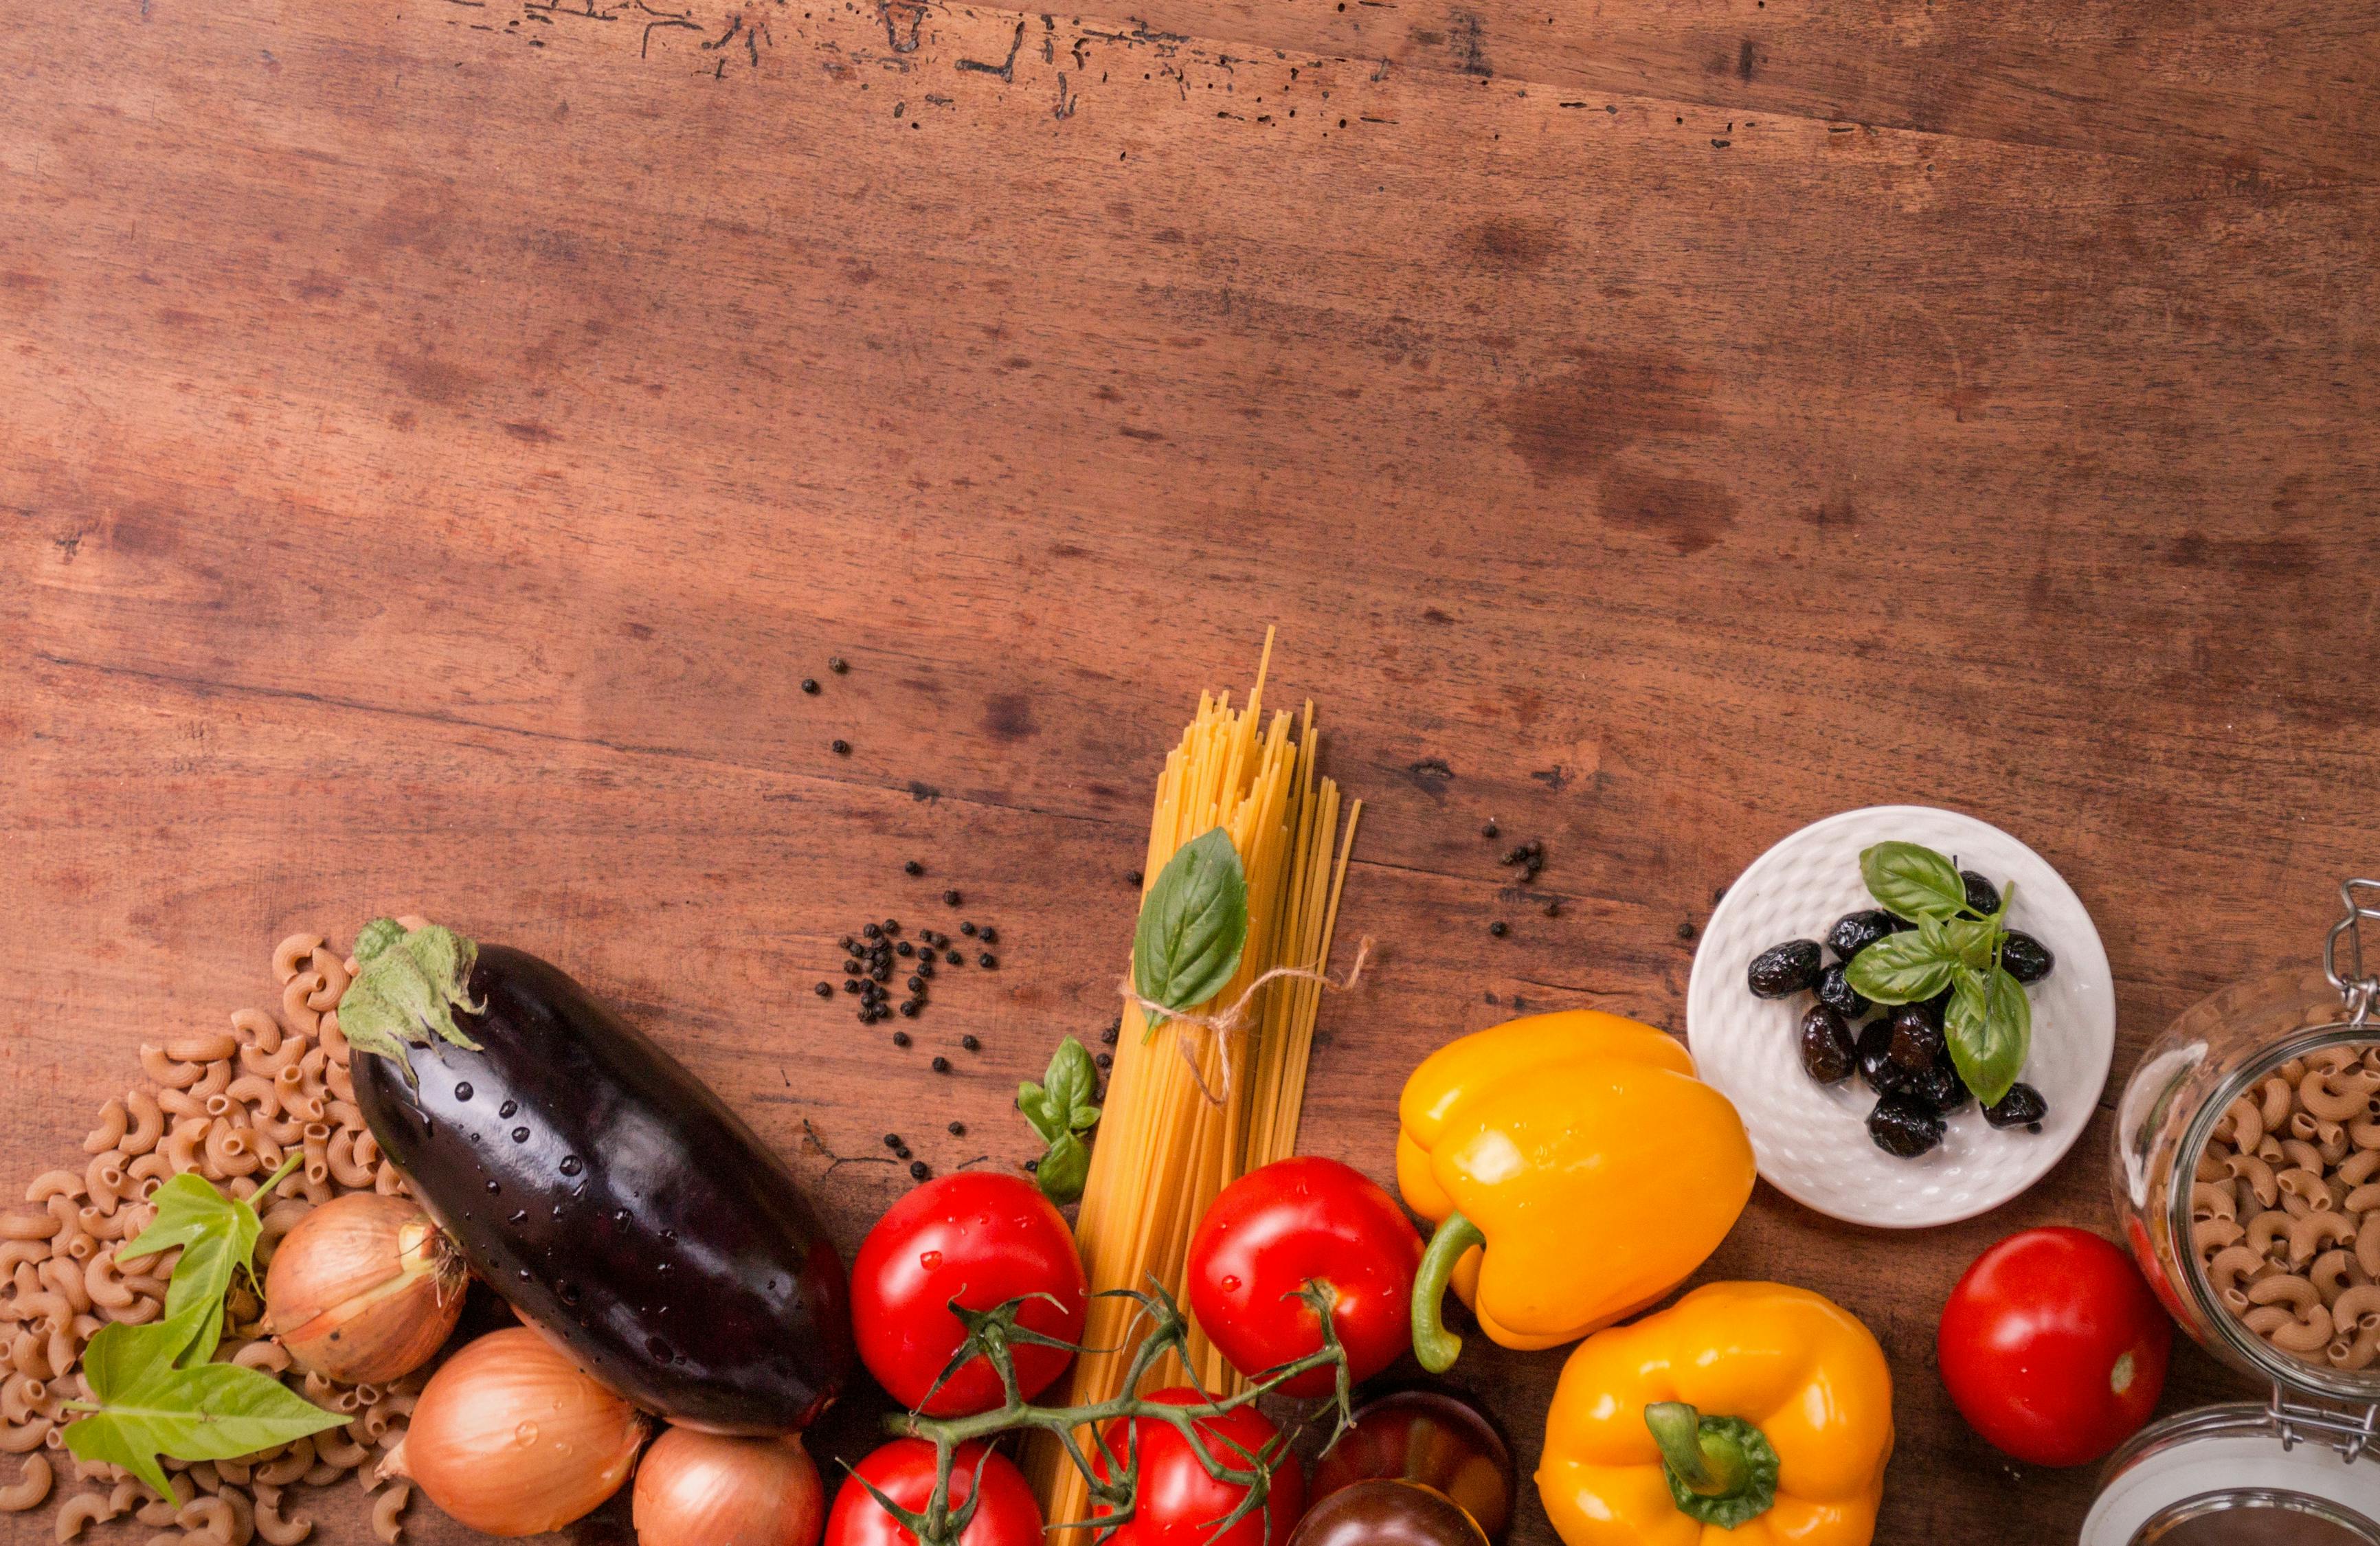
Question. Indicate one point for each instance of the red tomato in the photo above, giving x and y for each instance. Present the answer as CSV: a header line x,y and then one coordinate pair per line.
x,y
1178,1503
2053,1347
980,1239
1276,1227
904,1471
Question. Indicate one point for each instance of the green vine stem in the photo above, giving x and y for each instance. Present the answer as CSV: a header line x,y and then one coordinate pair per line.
x,y
992,1333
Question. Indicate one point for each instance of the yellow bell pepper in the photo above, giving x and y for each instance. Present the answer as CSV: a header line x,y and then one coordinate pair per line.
x,y
1577,1171
1746,1414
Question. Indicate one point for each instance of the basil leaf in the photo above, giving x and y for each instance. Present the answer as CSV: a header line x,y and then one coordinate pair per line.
x,y
1907,879
1900,968
1975,942
215,1411
1064,1169
1989,1027
1194,925
218,1236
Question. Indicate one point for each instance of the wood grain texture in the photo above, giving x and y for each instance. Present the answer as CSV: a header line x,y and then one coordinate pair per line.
x,y
436,438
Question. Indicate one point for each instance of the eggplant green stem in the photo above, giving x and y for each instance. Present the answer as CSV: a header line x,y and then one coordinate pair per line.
x,y
1720,1470
1435,1346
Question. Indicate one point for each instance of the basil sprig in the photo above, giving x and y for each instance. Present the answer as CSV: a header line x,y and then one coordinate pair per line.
x,y
1989,1021
158,1390
1059,1109
1193,927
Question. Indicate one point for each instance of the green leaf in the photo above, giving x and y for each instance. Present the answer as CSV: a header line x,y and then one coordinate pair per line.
x,y
1064,1169
1989,1027
1973,942
218,1239
1901,969
1907,879
215,1411
410,985
1193,927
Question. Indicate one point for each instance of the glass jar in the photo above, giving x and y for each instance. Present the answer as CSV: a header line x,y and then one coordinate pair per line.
x,y
2302,1466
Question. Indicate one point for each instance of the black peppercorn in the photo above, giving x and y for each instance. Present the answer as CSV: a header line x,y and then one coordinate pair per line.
x,y
903,1151
970,1044
893,1140
851,984
850,945
871,930
904,948
952,957
1105,1060
1489,830
913,868
988,935
809,684
1030,1165
867,1016
919,1171
958,1130
909,1008
1499,929
891,925
837,664
825,989
851,968
952,896
900,1038
926,964
986,960
840,748
880,972
1133,877
967,928
1109,1036
941,1065
1686,930
917,984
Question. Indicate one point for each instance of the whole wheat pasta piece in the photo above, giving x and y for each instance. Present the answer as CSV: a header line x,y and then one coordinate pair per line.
x,y
2259,1176
2353,1353
65,1278
2226,1269
2247,1123
2331,1139
385,1514
30,1252
294,1463
274,1359
295,1010
54,1183
2334,1272
167,1072
2357,1168
143,1308
291,955
217,1076
24,1439
2359,1306
2208,1200
272,1064
125,1496
203,1473
367,1149
332,969
113,1122
2275,1102
2268,1148
2364,1132
276,1527
179,1104
2363,1198
230,1152
2312,1233
279,1220
161,1511
206,1046
2310,1334
258,1032
260,1095
346,1455
345,1113
2308,1187
63,1349
20,1397
2267,1234
2293,1070
2264,1319
398,1399
334,1041
32,1486
50,1306
2328,1060
79,1513
2212,1162
148,1123
388,1181
181,1146
2213,1235
339,1082
115,1224
29,1227
2338,1097
238,1472
340,1156
104,1179
77,1246
208,1518
324,1476
2303,1155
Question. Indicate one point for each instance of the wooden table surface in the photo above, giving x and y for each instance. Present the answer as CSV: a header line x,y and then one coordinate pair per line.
x,y
437,436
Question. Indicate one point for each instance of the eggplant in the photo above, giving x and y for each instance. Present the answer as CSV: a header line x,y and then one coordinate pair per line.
x,y
595,1184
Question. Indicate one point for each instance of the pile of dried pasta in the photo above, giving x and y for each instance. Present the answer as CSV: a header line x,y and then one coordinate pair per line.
x,y
1187,1111
230,1105
2285,1208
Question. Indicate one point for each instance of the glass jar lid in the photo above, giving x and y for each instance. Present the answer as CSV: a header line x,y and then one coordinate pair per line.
x,y
2244,1475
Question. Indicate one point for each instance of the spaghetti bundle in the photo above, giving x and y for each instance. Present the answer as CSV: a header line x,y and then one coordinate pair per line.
x,y
1191,1107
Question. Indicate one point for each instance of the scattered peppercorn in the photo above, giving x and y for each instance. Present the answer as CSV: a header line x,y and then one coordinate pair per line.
x,y
952,957
871,930
837,664
1031,1165
903,1151
809,684
909,1008
986,960
919,1171
1133,877
851,984
1104,1059
970,1044
941,1065
952,896
913,868
1109,1036
840,748
988,935
891,925
958,1130
917,984
891,1140
1487,830
825,989
904,948
900,1038
967,928
1499,929
1686,930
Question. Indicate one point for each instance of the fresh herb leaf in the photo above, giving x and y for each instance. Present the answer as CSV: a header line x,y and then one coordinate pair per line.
x,y
1193,927
1059,1109
1907,879
411,983
1973,942
217,1235
1989,1027
1901,969
213,1411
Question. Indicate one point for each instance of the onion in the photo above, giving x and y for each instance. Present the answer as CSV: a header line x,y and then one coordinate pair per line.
x,y
365,1289
709,1489
512,1439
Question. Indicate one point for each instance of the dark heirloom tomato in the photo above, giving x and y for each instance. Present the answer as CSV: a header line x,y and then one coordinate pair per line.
x,y
982,1239
2053,1346
1178,1503
1433,1439
1383,1512
1277,1227
904,1471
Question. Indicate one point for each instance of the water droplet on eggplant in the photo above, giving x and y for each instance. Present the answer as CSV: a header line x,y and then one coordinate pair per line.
x,y
570,1165
463,1091
509,1108
521,1135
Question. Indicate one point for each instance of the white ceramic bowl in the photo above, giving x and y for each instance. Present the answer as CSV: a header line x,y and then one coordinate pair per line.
x,y
1812,1139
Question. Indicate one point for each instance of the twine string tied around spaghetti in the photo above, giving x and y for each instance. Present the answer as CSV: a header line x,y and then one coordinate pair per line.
x,y
1221,1023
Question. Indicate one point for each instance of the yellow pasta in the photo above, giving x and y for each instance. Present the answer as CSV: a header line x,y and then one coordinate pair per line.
x,y
1188,1110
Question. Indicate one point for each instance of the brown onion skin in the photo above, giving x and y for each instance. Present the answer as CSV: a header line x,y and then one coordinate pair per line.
x,y
698,1489
1384,1512
511,1438
365,1289
1432,1438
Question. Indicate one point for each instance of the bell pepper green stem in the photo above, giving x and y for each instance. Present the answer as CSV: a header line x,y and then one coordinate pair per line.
x,y
1435,1346
1721,1470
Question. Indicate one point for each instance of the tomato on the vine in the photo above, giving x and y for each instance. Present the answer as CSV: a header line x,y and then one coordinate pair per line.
x,y
904,1471
980,1239
2053,1347
1177,1503
1275,1229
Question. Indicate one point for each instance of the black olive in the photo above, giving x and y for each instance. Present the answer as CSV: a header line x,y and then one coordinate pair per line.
x,y
2020,1107
2024,957
1916,1038
1883,1075
1982,896
1836,992
1854,933
1828,1054
1940,1086
1904,1126
1784,969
